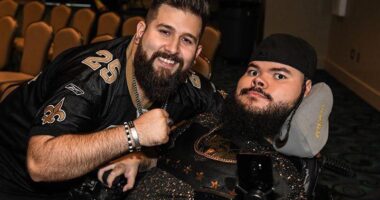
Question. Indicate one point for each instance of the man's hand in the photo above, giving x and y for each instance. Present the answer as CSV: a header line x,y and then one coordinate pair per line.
x,y
152,127
128,166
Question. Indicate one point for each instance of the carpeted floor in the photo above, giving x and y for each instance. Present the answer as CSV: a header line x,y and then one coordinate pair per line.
x,y
354,136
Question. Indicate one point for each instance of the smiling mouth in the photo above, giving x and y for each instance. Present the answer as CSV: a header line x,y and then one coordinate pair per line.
x,y
166,63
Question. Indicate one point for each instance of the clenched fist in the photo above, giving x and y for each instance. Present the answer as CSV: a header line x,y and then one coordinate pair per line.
x,y
152,127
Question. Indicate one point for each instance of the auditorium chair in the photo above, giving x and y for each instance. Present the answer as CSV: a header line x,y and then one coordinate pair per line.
x,y
210,41
83,21
108,24
8,8
37,41
8,90
8,27
32,12
101,38
64,39
59,17
130,25
202,65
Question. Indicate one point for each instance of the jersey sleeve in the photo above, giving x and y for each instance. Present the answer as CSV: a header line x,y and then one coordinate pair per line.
x,y
69,110
77,89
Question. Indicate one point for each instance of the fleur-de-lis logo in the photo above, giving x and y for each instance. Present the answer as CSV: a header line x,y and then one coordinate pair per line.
x,y
52,113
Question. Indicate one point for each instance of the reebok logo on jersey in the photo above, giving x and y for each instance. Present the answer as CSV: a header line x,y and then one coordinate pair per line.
x,y
73,88
53,113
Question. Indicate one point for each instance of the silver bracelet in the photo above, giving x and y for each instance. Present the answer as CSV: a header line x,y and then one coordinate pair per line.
x,y
135,136
129,139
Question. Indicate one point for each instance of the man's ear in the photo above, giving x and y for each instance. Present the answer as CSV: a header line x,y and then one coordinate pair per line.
x,y
140,29
199,50
308,87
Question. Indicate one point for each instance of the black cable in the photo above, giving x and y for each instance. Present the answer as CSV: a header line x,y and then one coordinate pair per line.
x,y
337,166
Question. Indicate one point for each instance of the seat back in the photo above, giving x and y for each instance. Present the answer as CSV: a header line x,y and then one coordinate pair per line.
x,y
108,23
33,12
8,90
210,41
64,39
130,25
8,8
37,42
83,21
101,38
203,66
59,17
8,27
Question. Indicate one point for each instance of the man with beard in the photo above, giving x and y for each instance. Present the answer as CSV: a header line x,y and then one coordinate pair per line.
x,y
96,103
273,116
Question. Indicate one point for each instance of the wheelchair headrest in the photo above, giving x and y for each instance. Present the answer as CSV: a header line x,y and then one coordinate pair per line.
x,y
309,127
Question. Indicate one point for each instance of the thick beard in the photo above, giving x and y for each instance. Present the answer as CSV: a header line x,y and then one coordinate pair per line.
x,y
251,123
158,86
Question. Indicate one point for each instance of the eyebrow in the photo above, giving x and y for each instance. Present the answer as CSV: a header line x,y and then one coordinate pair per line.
x,y
172,29
273,69
281,69
253,65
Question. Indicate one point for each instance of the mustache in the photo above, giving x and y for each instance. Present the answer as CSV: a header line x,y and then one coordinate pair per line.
x,y
165,55
256,89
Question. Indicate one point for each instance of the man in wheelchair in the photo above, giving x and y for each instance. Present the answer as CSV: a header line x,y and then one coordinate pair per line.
x,y
264,144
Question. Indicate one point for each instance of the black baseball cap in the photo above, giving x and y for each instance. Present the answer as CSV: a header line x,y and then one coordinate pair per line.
x,y
287,49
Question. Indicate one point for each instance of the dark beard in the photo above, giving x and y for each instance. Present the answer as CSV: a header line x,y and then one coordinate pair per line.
x,y
158,86
253,125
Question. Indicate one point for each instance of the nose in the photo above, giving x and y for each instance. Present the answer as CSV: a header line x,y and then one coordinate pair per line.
x,y
259,81
172,46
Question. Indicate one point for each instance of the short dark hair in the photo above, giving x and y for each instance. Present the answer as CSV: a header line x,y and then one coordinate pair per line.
x,y
197,7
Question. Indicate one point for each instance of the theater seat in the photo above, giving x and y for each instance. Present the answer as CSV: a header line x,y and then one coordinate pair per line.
x,y
8,8
8,90
33,12
64,39
83,21
101,38
37,41
108,23
203,66
59,17
8,27
210,41
130,25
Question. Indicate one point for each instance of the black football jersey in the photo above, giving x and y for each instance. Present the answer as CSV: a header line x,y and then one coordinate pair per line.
x,y
83,90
